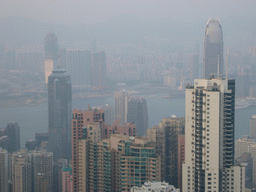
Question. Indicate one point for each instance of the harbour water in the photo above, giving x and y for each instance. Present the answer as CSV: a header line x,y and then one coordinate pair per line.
x,y
34,119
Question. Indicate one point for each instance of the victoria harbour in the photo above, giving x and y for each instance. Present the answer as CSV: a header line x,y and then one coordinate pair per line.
x,y
34,119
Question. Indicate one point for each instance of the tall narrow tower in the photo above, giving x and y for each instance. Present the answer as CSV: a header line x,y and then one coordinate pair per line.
x,y
51,54
209,136
213,48
60,113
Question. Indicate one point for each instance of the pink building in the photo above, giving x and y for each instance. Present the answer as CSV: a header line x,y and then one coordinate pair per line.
x,y
67,184
128,129
181,158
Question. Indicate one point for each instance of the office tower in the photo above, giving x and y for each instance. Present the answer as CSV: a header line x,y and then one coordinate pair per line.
x,y
51,54
120,105
99,70
80,120
195,67
21,172
115,164
166,137
242,145
125,129
137,113
11,137
79,67
213,48
51,48
209,136
67,184
60,113
155,186
3,170
253,126
109,114
48,67
40,137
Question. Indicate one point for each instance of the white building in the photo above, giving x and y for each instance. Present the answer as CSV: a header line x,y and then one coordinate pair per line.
x,y
253,126
156,187
209,134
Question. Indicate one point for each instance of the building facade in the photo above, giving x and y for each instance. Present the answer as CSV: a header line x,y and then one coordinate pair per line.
x,y
209,135
120,106
115,164
60,113
128,129
213,48
82,119
253,126
137,113
4,184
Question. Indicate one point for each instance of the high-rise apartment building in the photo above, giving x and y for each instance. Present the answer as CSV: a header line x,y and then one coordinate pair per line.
x,y
42,168
166,137
67,183
99,70
253,126
115,164
80,120
213,48
60,113
128,129
120,105
21,172
136,112
31,171
4,170
209,135
78,65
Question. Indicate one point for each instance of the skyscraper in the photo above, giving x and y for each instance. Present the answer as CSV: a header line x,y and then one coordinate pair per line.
x,y
51,54
213,48
209,135
120,105
78,65
253,126
99,70
11,137
136,112
60,113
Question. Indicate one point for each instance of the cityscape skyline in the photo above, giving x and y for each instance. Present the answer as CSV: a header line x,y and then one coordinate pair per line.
x,y
108,143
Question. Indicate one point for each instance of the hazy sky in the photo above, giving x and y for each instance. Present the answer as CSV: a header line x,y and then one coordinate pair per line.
x,y
90,11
